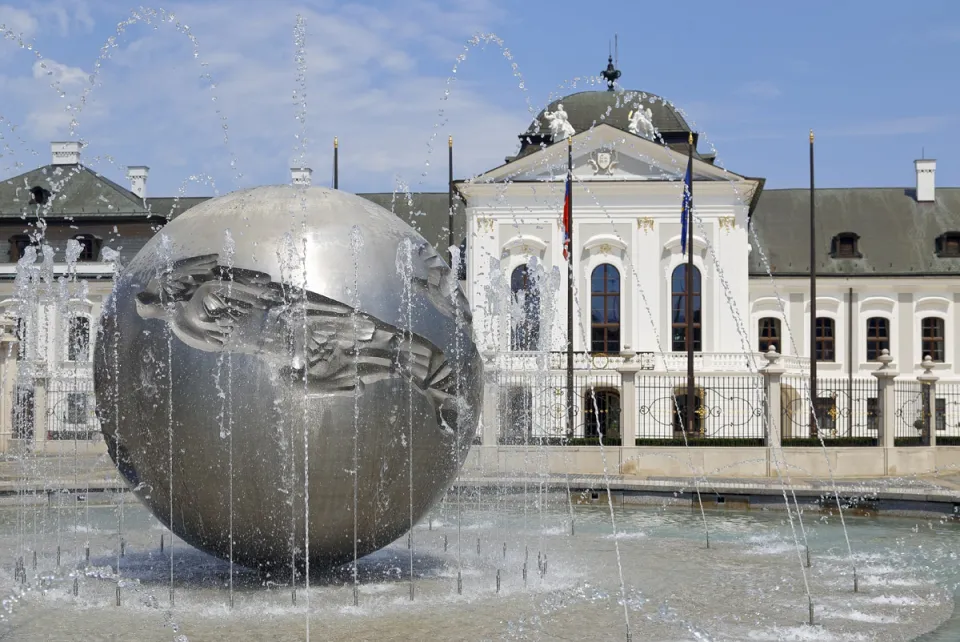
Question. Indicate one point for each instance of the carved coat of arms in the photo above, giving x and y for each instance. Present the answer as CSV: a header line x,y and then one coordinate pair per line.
x,y
603,162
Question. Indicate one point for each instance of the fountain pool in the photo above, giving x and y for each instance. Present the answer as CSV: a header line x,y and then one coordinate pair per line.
x,y
747,586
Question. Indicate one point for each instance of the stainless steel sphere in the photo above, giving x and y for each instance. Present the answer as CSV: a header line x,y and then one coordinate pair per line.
x,y
276,356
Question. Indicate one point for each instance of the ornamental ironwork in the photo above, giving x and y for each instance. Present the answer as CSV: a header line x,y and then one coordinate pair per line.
x,y
844,407
730,407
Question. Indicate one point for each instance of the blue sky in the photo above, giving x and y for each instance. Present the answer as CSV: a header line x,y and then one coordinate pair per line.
x,y
878,85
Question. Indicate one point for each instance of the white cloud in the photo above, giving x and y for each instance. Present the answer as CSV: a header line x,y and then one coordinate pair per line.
x,y
376,78
18,21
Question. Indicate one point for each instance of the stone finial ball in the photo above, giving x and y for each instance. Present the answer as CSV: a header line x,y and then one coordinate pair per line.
x,y
288,368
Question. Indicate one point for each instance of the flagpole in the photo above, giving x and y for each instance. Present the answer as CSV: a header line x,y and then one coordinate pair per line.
x,y
450,239
688,286
568,202
813,301
336,164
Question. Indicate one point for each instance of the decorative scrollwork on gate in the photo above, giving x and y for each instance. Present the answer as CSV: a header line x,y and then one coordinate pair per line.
x,y
844,408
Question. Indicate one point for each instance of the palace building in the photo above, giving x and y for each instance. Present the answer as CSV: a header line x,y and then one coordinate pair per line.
x,y
888,261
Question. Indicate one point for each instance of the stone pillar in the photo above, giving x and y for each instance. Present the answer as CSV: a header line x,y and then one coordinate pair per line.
x,y
887,426
628,405
42,413
490,415
928,384
771,379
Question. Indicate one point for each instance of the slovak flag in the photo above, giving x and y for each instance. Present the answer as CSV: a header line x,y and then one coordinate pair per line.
x,y
687,206
567,206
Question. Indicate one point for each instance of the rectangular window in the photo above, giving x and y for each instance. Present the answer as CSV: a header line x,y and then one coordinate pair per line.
x,y
680,415
826,346
78,338
23,413
846,248
878,337
827,414
932,339
77,408
72,418
769,334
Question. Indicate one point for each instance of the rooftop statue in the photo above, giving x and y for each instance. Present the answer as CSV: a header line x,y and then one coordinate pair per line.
x,y
560,126
641,122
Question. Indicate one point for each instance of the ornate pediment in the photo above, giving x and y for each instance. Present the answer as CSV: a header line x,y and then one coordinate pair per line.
x,y
605,154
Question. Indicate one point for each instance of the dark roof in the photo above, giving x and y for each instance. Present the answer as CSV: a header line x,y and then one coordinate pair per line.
x,y
897,235
171,207
425,212
587,109
77,191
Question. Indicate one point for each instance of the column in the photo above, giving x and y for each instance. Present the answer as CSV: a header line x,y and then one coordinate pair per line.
x,y
628,405
887,425
771,378
490,416
928,384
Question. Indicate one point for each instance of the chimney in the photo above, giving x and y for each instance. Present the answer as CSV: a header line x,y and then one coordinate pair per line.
x,y
301,175
137,175
65,152
926,180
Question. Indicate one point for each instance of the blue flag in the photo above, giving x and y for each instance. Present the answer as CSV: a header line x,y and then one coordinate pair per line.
x,y
687,213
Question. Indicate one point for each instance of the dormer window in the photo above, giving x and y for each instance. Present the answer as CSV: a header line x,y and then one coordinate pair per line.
x,y
948,244
845,246
39,195
89,247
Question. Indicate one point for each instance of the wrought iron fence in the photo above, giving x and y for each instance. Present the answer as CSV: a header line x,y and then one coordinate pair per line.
x,y
70,410
948,410
912,421
533,407
729,410
847,409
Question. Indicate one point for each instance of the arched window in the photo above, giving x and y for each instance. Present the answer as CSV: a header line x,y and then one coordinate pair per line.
x,y
769,334
78,339
680,325
605,309
601,413
826,340
525,333
878,337
932,339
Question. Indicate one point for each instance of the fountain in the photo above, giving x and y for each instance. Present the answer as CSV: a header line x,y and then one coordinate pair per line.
x,y
307,356
287,380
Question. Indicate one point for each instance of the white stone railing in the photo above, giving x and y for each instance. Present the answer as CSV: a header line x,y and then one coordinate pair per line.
x,y
669,362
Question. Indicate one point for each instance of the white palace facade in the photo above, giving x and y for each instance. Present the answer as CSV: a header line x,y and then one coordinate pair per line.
x,y
888,261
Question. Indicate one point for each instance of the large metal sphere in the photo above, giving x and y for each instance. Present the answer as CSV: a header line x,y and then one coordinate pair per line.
x,y
236,353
